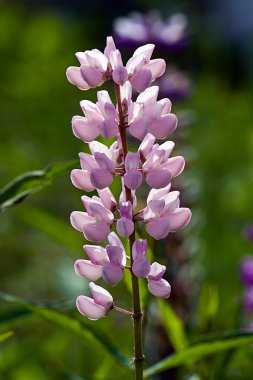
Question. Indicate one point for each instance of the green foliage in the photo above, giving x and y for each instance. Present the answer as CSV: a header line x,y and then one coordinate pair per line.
x,y
28,183
199,351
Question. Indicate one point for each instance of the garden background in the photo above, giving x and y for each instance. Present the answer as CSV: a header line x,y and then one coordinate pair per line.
x,y
37,244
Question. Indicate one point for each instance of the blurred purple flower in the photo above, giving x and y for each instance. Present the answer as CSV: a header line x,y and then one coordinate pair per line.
x,y
246,271
138,28
248,300
248,232
175,85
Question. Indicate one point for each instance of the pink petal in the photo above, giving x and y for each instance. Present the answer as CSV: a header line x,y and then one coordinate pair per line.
x,y
126,210
135,63
96,254
156,206
96,232
110,46
141,80
74,76
159,288
84,130
133,179
139,128
109,129
116,255
157,67
139,248
112,275
146,146
171,202
104,162
115,241
120,75
158,194
132,161
107,198
141,267
91,75
100,178
78,219
158,178
156,271
179,218
166,105
125,227
88,270
89,308
145,50
87,161
101,296
158,228
164,126
81,180
175,165
96,59
100,213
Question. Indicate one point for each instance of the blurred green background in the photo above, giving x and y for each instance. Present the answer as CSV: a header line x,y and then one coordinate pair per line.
x,y
38,247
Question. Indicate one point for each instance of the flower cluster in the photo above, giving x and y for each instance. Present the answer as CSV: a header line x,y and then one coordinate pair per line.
x,y
146,119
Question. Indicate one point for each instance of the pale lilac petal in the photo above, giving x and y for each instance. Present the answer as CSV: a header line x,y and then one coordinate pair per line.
x,y
112,275
156,271
175,165
164,126
115,241
74,76
141,80
120,75
179,218
139,248
157,67
146,146
97,59
159,288
100,213
91,75
81,179
104,162
110,110
156,206
116,255
108,129
110,46
158,178
171,202
89,308
133,179
84,130
100,178
139,128
132,161
87,161
149,96
96,254
101,296
125,227
158,194
126,210
166,105
158,228
141,267
145,50
88,270
135,63
78,219
107,198
96,232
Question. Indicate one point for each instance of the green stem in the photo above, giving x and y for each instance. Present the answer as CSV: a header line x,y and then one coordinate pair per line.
x,y
137,313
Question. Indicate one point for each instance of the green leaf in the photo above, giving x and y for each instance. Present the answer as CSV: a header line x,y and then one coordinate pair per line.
x,y
28,183
173,325
82,329
5,336
207,347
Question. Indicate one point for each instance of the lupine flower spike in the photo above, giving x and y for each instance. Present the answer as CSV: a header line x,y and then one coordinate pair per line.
x,y
146,119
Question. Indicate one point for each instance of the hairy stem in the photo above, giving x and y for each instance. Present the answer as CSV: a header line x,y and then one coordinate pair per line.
x,y
137,313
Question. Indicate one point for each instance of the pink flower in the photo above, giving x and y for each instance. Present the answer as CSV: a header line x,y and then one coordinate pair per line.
x,y
133,177
97,170
142,71
163,214
96,222
156,284
100,119
158,168
141,265
106,262
151,116
125,225
96,307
